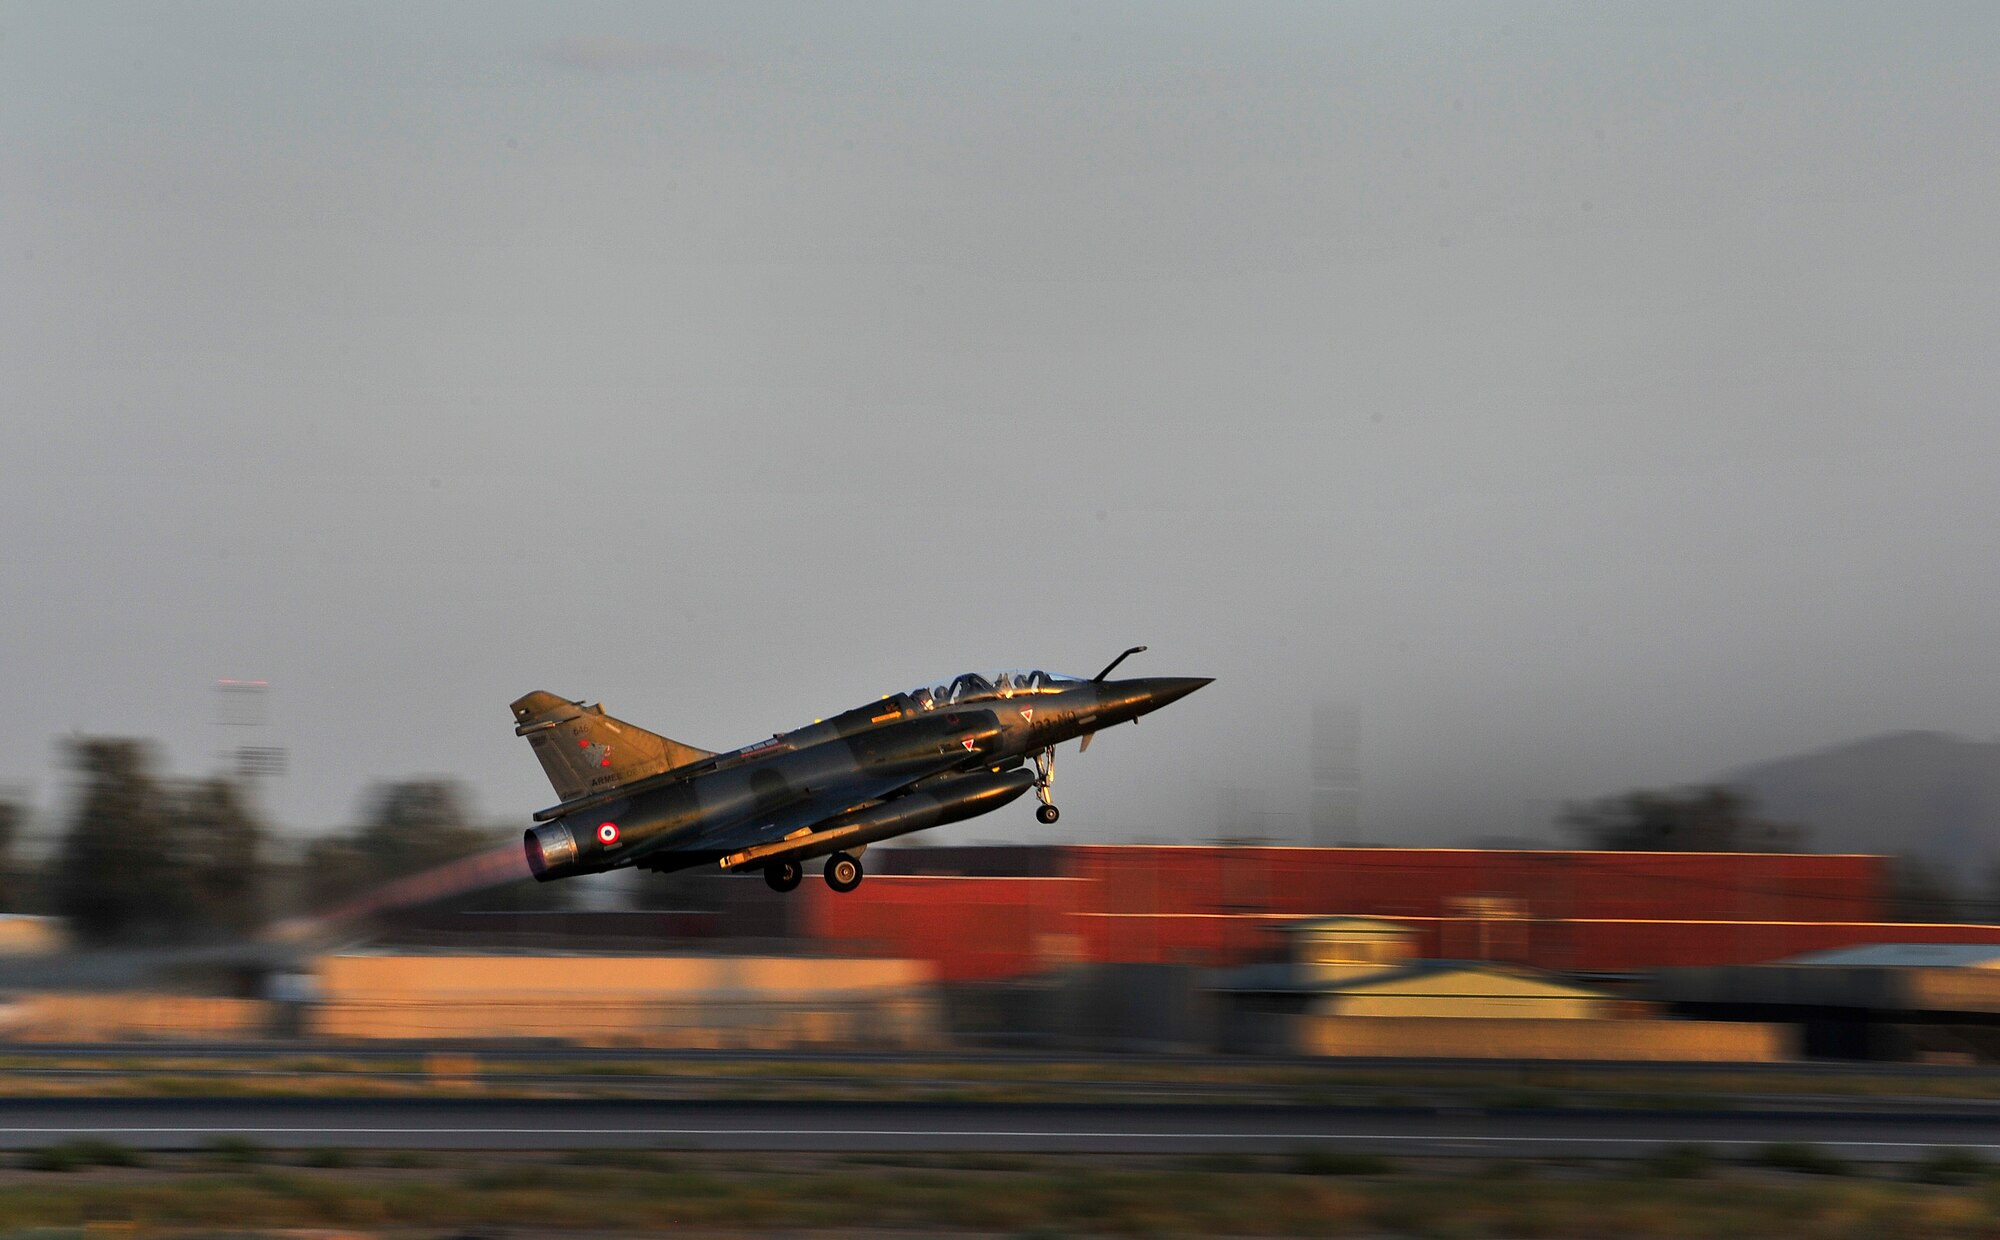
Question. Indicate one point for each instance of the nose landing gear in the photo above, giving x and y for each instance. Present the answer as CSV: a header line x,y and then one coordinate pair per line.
x,y
783,875
1045,778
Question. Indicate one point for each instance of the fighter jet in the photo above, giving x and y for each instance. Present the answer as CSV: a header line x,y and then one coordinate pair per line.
x,y
940,753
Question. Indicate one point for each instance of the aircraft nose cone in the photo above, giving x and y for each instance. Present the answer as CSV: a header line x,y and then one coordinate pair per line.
x,y
1158,691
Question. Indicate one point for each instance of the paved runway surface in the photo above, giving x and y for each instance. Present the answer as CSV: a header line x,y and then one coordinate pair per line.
x,y
409,1123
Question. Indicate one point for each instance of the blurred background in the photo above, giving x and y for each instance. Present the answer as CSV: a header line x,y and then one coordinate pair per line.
x,y
1564,433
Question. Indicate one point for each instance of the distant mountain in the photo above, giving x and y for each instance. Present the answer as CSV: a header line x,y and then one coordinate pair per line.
x,y
1927,793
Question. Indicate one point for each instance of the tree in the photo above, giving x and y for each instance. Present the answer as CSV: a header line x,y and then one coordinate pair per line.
x,y
111,876
1918,893
334,869
415,824
1704,819
11,887
145,860
218,853
410,827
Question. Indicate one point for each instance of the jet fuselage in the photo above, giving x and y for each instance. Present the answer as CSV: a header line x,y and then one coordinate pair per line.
x,y
904,763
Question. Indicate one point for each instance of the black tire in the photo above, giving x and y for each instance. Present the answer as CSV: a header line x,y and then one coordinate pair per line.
x,y
843,873
1047,814
783,875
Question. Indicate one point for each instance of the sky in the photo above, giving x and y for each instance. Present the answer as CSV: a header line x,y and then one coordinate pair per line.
x,y
1582,396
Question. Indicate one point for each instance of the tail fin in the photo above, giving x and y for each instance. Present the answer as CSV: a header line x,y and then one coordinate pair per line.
x,y
584,750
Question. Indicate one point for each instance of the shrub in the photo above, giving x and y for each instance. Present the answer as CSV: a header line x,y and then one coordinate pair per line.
x,y
1799,1156
405,1160
1318,1160
1227,1164
620,1160
330,1157
1679,1162
84,1152
50,1158
96,1153
239,1151
1524,1098
1951,1166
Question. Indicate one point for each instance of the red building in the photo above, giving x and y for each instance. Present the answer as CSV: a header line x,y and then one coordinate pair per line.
x,y
989,913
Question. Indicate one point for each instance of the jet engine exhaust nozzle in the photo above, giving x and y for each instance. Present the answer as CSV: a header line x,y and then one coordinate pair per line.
x,y
551,848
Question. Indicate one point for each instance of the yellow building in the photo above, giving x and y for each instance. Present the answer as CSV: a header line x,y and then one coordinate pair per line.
x,y
1328,948
23,935
55,1016
1354,987
1678,1041
735,1002
1368,966
1462,991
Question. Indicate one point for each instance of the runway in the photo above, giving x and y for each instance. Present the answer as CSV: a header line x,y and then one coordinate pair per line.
x,y
493,1124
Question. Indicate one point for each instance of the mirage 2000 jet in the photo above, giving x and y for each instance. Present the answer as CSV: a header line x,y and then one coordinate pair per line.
x,y
937,754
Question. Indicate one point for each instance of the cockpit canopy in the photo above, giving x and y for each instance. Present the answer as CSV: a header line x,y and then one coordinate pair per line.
x,y
972,687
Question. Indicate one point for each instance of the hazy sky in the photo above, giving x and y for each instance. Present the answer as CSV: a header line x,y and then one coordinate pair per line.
x,y
1590,395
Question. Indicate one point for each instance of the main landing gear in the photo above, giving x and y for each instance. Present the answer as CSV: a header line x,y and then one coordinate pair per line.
x,y
1045,778
843,873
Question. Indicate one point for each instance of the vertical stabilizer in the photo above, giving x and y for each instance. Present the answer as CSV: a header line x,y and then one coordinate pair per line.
x,y
583,750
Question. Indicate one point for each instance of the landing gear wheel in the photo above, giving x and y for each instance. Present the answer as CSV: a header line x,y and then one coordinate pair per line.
x,y
843,873
783,875
1045,780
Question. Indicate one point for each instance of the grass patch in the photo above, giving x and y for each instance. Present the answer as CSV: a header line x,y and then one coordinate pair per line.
x,y
327,1158
511,1179
1951,1166
704,1193
1228,1164
80,1154
986,1162
1508,1169
330,1073
1678,1162
1320,1160
407,1160
625,1160
234,1151
1801,1157
1526,1098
